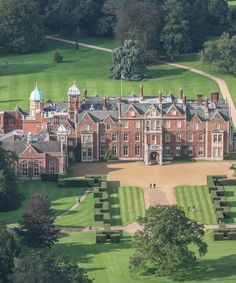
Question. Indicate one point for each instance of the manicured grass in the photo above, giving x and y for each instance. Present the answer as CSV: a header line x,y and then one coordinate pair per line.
x,y
193,61
232,4
231,199
126,204
62,199
198,196
89,68
82,216
109,262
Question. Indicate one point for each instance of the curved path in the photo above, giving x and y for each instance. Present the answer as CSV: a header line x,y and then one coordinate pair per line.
x,y
221,83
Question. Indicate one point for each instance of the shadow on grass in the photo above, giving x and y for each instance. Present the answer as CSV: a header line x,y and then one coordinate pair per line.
x,y
12,100
114,203
11,69
208,270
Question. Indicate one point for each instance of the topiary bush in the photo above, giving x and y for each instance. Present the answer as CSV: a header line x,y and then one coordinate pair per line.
x,y
218,236
101,238
57,56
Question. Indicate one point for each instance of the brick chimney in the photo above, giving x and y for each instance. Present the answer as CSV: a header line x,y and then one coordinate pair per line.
x,y
206,106
104,103
199,99
85,93
215,97
181,93
141,91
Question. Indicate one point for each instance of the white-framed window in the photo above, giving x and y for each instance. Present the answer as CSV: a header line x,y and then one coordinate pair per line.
x,y
102,150
108,127
196,126
89,152
137,125
137,137
126,125
167,137
178,137
52,167
114,150
153,140
178,151
173,113
217,138
190,150
114,137
36,169
126,137
137,150
71,143
25,169
190,137
167,151
178,124
132,113
125,150
200,150
102,137
220,138
168,124
200,137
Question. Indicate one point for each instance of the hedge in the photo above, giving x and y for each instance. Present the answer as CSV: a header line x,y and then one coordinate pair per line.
x,y
218,236
101,238
115,238
219,216
72,182
228,182
49,177
107,218
232,235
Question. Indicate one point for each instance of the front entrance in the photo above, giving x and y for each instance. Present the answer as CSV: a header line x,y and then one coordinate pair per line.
x,y
154,157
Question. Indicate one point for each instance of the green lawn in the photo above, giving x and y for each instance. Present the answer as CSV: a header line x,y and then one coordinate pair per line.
x,y
193,61
232,4
198,196
109,262
89,68
62,199
231,199
126,204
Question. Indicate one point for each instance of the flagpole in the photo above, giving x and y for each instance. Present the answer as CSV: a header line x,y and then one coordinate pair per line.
x,y
121,84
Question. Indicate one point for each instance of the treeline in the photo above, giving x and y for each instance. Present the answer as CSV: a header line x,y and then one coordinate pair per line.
x,y
172,26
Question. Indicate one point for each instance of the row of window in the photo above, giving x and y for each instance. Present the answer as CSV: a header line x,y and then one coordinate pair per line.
x,y
178,137
190,151
36,168
154,124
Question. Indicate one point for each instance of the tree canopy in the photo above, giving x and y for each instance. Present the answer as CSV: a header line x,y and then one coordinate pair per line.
x,y
37,228
163,245
21,26
128,62
221,53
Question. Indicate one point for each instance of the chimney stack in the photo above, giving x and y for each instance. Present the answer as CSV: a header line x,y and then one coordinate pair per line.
x,y
199,99
104,103
184,102
85,93
206,106
214,97
141,91
181,94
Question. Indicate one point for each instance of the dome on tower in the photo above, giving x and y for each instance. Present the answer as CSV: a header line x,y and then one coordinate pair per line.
x,y
74,90
37,94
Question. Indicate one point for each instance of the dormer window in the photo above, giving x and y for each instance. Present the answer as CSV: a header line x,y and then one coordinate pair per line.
x,y
86,127
218,127
196,126
173,113
132,113
108,127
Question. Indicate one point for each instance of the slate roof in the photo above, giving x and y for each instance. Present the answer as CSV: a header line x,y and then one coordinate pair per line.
x,y
40,146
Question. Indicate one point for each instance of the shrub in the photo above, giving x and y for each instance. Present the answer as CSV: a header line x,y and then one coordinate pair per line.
x,y
49,177
228,182
57,56
232,235
219,216
115,238
72,182
218,236
107,218
101,238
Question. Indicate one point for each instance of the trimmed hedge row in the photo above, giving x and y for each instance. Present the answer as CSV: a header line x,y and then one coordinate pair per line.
x,y
108,236
88,181
227,234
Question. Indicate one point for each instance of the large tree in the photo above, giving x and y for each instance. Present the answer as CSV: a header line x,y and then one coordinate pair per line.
x,y
174,36
37,228
221,53
139,21
21,28
127,62
39,267
8,251
163,245
10,197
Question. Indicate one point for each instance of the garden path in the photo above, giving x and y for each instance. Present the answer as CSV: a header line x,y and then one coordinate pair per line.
x,y
221,83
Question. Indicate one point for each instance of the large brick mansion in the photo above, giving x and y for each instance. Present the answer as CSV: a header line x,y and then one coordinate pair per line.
x,y
153,129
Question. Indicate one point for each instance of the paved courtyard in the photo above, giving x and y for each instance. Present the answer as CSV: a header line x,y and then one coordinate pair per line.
x,y
166,177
